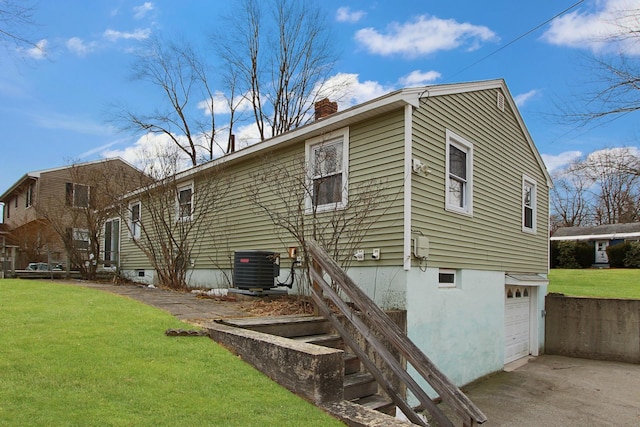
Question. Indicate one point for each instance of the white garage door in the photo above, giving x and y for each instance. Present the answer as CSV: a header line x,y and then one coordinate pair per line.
x,y
516,323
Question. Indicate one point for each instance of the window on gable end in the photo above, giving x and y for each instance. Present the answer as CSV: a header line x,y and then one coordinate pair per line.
x,y
77,195
459,171
327,163
529,209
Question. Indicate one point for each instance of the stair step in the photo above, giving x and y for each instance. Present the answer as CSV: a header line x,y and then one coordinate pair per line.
x,y
326,340
377,402
359,384
351,363
285,326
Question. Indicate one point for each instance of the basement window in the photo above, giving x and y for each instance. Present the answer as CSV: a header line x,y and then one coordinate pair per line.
x,y
447,278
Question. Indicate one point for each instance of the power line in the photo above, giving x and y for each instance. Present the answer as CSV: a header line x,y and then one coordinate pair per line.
x,y
521,36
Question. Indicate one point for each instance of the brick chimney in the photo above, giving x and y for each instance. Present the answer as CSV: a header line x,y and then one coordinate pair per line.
x,y
325,108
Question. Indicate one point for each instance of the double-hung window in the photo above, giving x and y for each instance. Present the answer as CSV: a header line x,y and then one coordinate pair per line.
x,y
528,204
77,195
185,202
459,170
29,196
134,220
327,162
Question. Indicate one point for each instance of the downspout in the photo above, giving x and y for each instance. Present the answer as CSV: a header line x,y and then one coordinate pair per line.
x,y
408,134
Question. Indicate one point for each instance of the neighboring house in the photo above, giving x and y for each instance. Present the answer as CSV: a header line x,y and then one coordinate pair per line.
x,y
7,252
462,246
602,236
48,193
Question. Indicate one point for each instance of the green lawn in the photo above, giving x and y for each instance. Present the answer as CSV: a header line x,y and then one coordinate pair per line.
x,y
73,356
605,283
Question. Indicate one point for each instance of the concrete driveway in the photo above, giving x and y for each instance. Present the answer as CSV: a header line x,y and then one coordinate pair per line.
x,y
561,391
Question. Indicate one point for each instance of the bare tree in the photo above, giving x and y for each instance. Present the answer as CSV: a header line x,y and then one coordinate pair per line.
x,y
612,181
167,217
288,193
181,76
569,201
283,54
16,17
79,218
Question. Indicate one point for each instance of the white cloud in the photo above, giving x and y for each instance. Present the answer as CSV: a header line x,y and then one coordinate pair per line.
x,y
347,90
560,161
139,34
424,35
140,12
524,97
419,78
221,105
150,151
39,51
612,26
345,14
79,47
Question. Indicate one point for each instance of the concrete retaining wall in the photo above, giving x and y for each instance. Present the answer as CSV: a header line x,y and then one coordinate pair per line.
x,y
593,328
313,372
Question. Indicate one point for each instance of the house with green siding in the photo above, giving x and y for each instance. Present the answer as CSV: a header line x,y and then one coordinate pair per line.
x,y
460,242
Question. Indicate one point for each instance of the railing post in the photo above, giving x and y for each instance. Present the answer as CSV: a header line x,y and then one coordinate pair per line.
x,y
316,286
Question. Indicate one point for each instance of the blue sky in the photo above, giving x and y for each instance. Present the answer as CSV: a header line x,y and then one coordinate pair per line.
x,y
54,100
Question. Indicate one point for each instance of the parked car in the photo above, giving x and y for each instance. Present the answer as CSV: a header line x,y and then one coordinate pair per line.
x,y
43,266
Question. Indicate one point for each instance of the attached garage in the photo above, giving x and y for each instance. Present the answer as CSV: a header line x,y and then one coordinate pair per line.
x,y
517,320
523,308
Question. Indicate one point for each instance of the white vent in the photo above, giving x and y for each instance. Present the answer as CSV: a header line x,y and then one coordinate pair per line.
x,y
500,101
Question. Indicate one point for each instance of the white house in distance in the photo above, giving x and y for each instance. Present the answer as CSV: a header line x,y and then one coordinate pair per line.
x,y
602,236
462,246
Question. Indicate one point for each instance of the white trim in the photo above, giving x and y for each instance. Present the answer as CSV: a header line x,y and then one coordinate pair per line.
x,y
331,137
180,188
610,236
408,146
132,228
534,204
463,144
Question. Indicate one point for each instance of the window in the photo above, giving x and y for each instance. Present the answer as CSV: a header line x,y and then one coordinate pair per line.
x,y
446,278
327,159
7,210
134,220
80,238
185,203
29,196
528,205
111,242
459,170
77,195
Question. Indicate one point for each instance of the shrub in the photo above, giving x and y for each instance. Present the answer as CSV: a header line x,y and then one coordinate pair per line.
x,y
616,254
567,255
585,254
632,257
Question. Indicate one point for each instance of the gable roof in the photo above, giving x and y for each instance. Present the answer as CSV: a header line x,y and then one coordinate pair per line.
x,y
35,175
598,232
374,107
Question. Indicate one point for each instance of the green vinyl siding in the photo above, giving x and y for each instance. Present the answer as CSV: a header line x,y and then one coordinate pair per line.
x,y
376,149
492,238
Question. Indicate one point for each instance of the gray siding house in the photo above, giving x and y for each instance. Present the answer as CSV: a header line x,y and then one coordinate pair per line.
x,y
462,241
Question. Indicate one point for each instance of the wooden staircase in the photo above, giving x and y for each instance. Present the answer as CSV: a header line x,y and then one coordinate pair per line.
x,y
359,386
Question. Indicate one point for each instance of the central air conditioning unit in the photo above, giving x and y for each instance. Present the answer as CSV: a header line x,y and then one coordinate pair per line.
x,y
255,269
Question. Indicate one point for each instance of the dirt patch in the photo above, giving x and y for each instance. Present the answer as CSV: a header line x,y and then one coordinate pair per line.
x,y
280,306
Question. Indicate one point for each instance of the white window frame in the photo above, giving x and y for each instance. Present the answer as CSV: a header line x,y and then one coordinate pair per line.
x,y
340,135
112,262
179,189
29,196
466,146
135,224
447,284
528,181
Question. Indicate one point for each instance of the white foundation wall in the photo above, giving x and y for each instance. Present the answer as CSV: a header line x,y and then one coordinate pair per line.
x,y
460,329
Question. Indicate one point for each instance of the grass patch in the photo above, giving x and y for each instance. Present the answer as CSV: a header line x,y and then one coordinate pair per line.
x,y
73,356
604,283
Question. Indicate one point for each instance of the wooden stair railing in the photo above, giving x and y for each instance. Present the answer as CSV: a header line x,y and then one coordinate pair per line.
x,y
448,392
